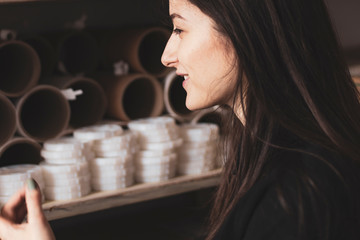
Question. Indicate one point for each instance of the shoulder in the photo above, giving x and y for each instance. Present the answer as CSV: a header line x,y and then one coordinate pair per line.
x,y
319,190
308,194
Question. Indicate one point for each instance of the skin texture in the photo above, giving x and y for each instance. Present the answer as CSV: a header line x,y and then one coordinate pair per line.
x,y
28,201
201,53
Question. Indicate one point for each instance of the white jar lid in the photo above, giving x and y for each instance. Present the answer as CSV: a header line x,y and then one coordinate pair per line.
x,y
96,132
156,179
110,161
154,153
199,132
75,153
152,123
58,169
111,173
109,186
155,160
63,144
51,194
112,180
161,146
115,153
20,172
65,182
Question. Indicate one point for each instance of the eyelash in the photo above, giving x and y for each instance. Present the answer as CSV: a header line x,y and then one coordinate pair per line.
x,y
177,31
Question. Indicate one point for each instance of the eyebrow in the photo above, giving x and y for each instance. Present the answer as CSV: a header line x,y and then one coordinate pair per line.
x,y
175,15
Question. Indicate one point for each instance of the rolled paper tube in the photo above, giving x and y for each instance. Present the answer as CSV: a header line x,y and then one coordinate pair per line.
x,y
141,48
20,151
7,120
42,113
20,68
212,115
76,52
132,96
208,115
45,51
89,107
174,98
357,82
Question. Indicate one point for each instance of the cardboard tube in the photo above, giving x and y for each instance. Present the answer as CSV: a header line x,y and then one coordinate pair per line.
x,y
357,82
20,151
42,113
141,48
174,98
90,106
7,120
76,51
19,68
132,96
45,51
212,115
209,115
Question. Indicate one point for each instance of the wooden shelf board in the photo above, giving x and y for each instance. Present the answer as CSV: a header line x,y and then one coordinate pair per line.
x,y
138,193
21,1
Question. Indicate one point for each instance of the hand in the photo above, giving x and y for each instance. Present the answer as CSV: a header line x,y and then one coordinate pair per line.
x,y
26,200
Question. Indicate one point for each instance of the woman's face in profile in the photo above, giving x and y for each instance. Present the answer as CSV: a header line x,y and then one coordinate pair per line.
x,y
202,55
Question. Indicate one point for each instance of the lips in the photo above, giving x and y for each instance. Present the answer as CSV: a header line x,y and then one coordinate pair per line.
x,y
186,79
185,76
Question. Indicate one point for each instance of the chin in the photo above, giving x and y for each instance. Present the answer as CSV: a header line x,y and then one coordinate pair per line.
x,y
191,105
196,105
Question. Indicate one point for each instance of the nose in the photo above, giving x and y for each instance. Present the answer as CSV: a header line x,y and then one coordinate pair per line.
x,y
169,57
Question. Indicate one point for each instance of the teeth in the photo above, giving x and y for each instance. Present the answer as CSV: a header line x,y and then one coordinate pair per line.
x,y
186,77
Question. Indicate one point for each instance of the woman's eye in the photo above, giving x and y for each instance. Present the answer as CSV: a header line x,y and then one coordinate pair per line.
x,y
177,31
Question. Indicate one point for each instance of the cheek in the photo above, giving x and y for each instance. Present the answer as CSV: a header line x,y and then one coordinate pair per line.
x,y
194,52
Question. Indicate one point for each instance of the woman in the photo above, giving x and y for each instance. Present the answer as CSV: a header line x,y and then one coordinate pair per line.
x,y
293,150
292,159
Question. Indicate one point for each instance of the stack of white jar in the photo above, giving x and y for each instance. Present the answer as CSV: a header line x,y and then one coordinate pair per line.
x,y
113,166
198,154
87,135
13,178
65,169
158,139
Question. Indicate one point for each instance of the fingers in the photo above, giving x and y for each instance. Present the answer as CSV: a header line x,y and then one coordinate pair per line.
x,y
6,227
33,202
15,209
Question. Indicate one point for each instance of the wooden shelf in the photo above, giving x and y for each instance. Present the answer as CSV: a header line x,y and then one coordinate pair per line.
x,y
21,1
138,193
29,1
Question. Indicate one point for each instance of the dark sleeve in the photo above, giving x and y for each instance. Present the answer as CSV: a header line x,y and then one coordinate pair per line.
x,y
317,205
270,221
259,215
307,201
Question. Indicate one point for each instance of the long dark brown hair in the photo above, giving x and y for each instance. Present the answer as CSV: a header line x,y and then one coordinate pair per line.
x,y
293,80
296,79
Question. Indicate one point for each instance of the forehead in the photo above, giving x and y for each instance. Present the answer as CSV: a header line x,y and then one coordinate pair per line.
x,y
179,4
184,9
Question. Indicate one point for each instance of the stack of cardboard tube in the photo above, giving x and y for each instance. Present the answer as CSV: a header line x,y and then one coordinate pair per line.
x,y
35,72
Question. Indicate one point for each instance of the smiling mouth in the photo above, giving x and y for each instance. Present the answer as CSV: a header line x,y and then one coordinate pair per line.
x,y
186,79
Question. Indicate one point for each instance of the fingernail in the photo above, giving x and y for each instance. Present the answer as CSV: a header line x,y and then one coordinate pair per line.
x,y
31,184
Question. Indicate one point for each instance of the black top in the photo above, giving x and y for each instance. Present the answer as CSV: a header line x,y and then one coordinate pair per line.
x,y
284,204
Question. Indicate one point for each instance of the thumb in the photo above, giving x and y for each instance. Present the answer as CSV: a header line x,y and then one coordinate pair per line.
x,y
33,202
